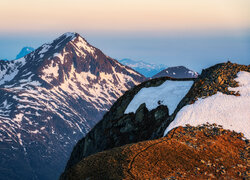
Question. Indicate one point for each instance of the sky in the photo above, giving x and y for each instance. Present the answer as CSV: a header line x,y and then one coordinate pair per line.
x,y
194,33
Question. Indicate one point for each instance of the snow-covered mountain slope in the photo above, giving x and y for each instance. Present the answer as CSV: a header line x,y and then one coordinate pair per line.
x,y
231,112
147,69
177,72
50,99
9,69
24,51
219,95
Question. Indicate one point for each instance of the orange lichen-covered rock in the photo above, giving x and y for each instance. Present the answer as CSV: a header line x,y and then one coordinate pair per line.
x,y
206,151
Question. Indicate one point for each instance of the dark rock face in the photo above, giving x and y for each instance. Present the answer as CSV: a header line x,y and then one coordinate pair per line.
x,y
177,72
117,128
128,129
50,99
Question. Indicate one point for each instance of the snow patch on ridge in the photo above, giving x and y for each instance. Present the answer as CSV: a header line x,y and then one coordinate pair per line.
x,y
69,34
50,72
170,93
232,112
44,49
11,70
83,45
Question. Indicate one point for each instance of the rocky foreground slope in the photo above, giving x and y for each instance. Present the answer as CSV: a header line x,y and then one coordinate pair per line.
x,y
152,117
52,97
206,151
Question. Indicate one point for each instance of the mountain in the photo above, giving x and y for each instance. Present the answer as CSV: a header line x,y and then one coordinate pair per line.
x,y
50,99
159,70
24,52
172,128
177,72
147,69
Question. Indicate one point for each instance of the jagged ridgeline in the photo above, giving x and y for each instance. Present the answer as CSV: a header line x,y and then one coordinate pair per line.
x,y
50,99
157,108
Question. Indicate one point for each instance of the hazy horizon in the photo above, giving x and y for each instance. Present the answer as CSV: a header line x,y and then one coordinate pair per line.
x,y
193,33
195,52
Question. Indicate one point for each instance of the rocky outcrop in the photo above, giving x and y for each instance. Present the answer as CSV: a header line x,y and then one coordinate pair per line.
x,y
207,152
117,129
217,78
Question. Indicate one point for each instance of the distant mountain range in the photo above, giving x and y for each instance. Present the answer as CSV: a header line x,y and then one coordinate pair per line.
x,y
147,69
24,52
52,97
159,70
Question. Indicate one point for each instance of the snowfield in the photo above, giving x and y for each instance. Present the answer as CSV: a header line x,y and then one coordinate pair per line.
x,y
170,93
232,112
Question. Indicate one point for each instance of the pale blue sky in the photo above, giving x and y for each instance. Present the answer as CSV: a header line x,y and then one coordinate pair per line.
x,y
194,33
195,52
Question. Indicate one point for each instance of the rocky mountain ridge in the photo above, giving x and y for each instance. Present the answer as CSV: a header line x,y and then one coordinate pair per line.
x,y
118,128
204,152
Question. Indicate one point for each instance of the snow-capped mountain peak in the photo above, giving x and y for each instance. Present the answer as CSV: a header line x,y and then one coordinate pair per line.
x,y
56,45
66,37
53,96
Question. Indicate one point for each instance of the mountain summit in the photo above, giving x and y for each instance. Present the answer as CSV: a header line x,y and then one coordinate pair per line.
x,y
50,99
